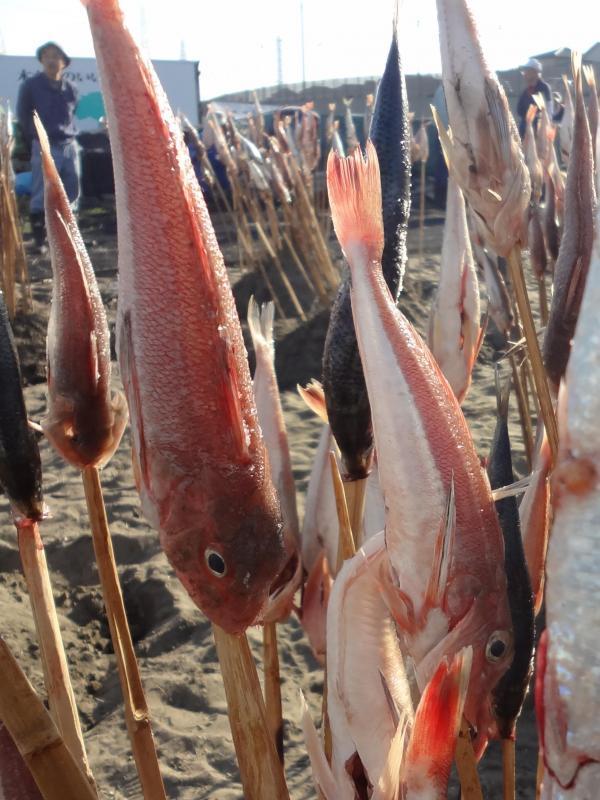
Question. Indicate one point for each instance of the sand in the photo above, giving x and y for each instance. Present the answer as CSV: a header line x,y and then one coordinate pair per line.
x,y
172,638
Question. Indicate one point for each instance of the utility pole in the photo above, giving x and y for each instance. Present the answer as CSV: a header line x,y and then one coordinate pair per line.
x,y
279,62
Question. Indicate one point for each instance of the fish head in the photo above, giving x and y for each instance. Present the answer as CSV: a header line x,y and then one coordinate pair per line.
x,y
230,567
21,479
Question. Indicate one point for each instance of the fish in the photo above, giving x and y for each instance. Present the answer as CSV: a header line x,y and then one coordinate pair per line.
x,y
343,380
536,244
363,654
368,116
330,122
509,693
542,141
534,164
567,124
572,264
309,138
568,662
259,120
483,148
351,136
336,141
557,177
447,586
199,457
551,227
421,144
85,420
20,462
534,516
593,112
16,780
315,600
272,423
423,772
455,334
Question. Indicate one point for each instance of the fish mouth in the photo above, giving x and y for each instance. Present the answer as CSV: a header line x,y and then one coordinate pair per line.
x,y
280,598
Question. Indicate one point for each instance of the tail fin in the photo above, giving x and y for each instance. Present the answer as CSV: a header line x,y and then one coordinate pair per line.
x,y
314,397
331,106
432,743
539,100
388,783
354,189
590,76
260,323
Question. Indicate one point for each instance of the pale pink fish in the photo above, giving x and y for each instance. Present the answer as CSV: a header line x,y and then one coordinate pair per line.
x,y
272,423
85,422
336,140
200,459
309,138
534,515
368,693
482,148
566,124
534,165
455,333
448,588
593,112
568,672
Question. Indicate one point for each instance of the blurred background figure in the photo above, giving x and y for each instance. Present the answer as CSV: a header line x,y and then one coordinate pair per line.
x,y
54,98
532,75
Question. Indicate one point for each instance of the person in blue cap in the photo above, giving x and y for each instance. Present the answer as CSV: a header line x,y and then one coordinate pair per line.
x,y
532,74
54,98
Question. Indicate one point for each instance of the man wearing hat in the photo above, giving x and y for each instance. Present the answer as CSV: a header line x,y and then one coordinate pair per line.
x,y
54,98
532,73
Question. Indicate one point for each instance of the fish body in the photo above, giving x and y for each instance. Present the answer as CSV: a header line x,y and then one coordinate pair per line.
x,y
351,137
438,500
309,138
535,242
534,165
330,122
272,423
510,691
454,329
593,112
200,460
20,463
484,150
551,226
84,423
336,139
567,124
343,380
542,140
569,662
573,261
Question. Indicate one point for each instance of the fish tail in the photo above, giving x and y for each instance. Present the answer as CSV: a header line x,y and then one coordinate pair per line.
x,y
354,189
314,397
531,113
260,323
437,720
321,770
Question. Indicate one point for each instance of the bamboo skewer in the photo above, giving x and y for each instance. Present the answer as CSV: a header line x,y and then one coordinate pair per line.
x,y
524,416
355,492
422,209
260,769
539,374
63,707
346,545
298,263
273,706
281,271
466,765
137,715
539,776
54,769
508,769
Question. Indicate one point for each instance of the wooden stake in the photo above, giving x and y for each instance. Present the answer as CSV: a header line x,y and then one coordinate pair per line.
x,y
280,270
539,777
260,769
298,263
533,347
466,765
346,546
63,707
524,416
508,769
422,209
32,729
355,492
273,707
137,715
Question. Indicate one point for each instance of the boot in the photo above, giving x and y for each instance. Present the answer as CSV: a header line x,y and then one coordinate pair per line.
x,y
38,228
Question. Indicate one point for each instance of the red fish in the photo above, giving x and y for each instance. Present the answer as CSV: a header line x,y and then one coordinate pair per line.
x,y
442,533
201,463
83,423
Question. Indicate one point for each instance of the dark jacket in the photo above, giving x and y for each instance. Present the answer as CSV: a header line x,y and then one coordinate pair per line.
x,y
526,100
55,103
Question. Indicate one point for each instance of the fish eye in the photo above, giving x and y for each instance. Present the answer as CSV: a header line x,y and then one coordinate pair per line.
x,y
497,645
215,562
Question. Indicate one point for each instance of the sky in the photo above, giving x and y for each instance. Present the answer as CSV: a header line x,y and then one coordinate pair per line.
x,y
235,41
